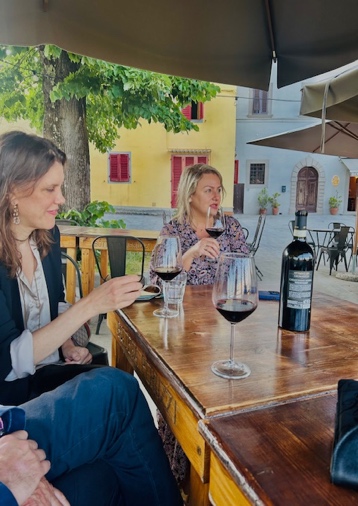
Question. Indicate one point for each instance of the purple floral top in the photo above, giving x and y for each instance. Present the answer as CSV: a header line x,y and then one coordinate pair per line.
x,y
202,270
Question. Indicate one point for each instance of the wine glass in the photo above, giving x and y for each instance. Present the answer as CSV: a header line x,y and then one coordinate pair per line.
x,y
215,222
235,296
167,263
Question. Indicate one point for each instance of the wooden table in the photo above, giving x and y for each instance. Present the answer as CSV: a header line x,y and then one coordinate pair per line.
x,y
173,359
75,237
275,456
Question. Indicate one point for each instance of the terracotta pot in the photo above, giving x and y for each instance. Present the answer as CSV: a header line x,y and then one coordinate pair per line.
x,y
275,210
262,210
333,210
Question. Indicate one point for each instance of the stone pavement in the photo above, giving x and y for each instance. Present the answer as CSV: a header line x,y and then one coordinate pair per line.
x,y
275,237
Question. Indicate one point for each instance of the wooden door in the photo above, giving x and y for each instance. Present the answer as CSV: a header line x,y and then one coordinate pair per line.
x,y
306,192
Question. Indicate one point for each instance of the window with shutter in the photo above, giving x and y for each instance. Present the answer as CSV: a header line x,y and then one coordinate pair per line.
x,y
194,111
119,167
178,164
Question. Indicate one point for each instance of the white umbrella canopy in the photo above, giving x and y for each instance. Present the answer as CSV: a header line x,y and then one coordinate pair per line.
x,y
231,41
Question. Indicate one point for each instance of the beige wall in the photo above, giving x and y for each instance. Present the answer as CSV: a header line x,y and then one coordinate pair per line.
x,y
151,148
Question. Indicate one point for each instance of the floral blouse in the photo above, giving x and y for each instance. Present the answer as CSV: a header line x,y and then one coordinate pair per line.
x,y
202,270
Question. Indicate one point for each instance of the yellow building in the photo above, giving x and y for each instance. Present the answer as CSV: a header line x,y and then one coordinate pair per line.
x,y
147,161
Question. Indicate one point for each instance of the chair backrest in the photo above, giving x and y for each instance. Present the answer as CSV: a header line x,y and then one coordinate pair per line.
x,y
340,240
117,254
67,259
245,232
291,226
256,242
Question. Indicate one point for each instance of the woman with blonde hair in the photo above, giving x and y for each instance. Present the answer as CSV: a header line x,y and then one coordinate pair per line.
x,y
200,187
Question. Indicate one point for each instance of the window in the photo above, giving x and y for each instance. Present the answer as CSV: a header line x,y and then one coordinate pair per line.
x,y
257,173
119,167
260,103
194,111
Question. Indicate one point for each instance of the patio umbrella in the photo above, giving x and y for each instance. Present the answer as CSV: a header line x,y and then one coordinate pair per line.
x,y
341,139
231,41
335,98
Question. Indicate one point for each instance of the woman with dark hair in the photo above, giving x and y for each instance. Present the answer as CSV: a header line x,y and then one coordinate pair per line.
x,y
100,417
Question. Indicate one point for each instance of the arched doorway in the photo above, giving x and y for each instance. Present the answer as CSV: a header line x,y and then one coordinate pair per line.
x,y
306,190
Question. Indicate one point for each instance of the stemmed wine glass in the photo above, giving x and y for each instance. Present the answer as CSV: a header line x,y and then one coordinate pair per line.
x,y
167,263
235,296
215,222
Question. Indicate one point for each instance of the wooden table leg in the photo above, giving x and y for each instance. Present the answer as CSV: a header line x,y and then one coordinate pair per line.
x,y
198,491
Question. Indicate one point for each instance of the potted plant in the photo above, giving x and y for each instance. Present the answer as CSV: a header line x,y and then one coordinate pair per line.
x,y
334,203
263,200
275,203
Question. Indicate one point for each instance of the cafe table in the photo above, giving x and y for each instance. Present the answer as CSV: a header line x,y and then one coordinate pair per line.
x,y
76,237
279,455
173,358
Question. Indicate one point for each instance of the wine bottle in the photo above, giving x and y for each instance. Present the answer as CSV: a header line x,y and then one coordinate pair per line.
x,y
297,280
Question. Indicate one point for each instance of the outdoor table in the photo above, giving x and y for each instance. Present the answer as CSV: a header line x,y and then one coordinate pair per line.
x,y
320,237
173,358
76,237
279,455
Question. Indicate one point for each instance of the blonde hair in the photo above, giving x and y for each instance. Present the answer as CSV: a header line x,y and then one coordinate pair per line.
x,y
24,159
188,183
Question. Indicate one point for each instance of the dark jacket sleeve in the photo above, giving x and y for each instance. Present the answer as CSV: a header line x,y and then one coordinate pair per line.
x,y
6,497
11,320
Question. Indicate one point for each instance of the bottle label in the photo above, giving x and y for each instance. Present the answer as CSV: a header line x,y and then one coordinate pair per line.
x,y
299,289
299,233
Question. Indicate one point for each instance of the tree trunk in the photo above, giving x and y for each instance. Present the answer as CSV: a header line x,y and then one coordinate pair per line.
x,y
65,125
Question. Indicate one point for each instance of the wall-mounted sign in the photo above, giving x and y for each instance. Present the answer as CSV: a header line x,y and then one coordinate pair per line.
x,y
335,180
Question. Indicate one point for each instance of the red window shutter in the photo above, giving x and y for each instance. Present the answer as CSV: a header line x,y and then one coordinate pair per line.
x,y
177,167
236,172
189,160
203,159
187,111
119,168
200,110
124,163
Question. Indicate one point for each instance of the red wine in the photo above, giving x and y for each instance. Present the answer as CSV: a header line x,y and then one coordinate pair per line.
x,y
167,273
297,280
235,310
215,232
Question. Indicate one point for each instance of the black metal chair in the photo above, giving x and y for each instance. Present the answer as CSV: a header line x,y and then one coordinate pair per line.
x,y
117,258
99,354
254,245
336,250
246,232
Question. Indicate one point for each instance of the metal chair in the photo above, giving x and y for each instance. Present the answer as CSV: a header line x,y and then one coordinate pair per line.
x,y
99,354
336,249
254,245
117,258
246,232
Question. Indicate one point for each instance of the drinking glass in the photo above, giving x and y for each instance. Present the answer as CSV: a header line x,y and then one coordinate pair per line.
x,y
235,296
215,222
167,263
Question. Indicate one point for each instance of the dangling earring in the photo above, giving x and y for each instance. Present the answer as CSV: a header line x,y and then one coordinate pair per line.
x,y
15,215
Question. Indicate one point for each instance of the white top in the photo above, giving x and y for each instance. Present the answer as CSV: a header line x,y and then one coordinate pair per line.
x,y
36,314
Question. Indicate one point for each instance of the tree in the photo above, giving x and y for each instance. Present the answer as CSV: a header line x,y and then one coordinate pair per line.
x,y
74,100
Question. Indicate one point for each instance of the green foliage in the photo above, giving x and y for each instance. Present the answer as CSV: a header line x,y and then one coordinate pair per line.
x,y
335,201
116,96
263,198
274,200
92,216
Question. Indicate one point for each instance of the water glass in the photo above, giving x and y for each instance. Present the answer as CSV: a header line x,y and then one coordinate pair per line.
x,y
174,290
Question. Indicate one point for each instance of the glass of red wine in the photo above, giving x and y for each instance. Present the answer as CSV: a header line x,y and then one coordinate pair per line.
x,y
215,222
167,263
235,296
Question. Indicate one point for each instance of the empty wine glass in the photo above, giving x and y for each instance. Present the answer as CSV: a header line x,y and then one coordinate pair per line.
x,y
215,222
167,263
235,296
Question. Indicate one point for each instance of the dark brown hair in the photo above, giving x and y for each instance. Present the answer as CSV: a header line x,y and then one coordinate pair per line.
x,y
24,159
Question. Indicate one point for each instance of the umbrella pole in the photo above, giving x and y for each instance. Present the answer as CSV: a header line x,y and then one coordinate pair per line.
x,y
354,252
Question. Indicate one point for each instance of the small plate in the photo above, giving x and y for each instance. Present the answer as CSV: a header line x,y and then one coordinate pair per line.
x,y
149,292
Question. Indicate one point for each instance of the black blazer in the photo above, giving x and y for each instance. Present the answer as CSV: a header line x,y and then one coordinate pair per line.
x,y
11,320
